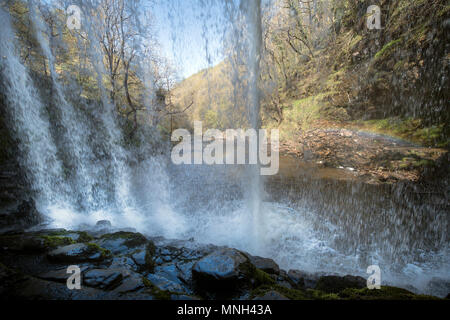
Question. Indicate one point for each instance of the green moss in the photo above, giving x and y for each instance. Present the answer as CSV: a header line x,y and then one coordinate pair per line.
x,y
423,163
320,295
57,241
149,254
410,129
399,66
82,235
354,41
262,278
292,294
132,239
96,248
387,49
444,11
385,293
155,291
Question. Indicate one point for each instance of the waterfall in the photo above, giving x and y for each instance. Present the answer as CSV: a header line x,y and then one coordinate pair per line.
x,y
253,13
75,161
75,133
81,171
29,123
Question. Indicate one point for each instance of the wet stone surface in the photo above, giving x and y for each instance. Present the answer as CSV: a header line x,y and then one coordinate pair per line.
x,y
128,265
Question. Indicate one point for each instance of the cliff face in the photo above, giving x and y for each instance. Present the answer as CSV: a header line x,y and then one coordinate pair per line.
x,y
17,207
401,70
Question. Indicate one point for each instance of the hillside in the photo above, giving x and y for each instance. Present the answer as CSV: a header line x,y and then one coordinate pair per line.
x,y
392,82
212,92
376,80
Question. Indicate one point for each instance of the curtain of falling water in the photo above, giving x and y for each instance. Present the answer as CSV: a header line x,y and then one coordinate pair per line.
x,y
37,151
238,26
255,34
74,138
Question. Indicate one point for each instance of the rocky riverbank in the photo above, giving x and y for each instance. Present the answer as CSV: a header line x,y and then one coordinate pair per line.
x,y
372,158
122,264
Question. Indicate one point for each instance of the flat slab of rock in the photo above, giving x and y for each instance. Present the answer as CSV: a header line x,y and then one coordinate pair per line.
x,y
103,278
130,284
165,284
78,252
59,275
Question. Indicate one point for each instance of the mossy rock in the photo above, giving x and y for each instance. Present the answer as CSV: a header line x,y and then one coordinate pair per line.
x,y
79,252
76,236
131,239
104,253
155,291
33,242
388,48
384,293
130,244
291,294
43,240
57,241
150,250
335,284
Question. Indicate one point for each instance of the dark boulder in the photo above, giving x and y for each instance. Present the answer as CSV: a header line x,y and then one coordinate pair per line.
x,y
302,280
265,264
223,272
335,284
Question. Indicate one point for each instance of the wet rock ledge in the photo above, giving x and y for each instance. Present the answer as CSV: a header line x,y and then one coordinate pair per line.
x,y
127,265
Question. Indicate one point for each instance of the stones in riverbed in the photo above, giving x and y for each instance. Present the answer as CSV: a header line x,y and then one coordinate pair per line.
x,y
79,252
